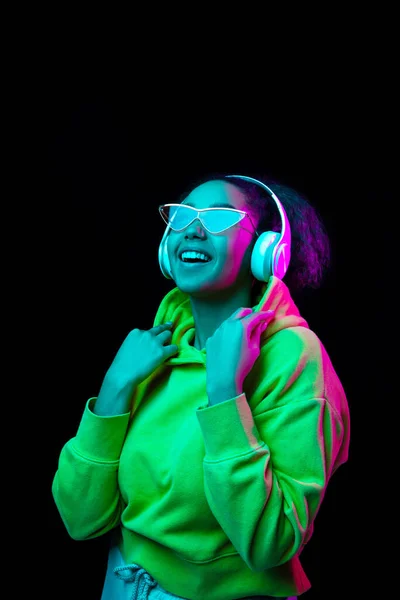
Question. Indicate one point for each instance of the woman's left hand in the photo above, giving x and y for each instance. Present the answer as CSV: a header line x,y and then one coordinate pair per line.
x,y
233,349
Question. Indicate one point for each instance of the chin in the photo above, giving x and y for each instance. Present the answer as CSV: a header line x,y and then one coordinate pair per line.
x,y
205,291
194,290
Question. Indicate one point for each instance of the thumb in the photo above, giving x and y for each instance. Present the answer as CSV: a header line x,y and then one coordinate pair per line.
x,y
263,325
257,332
261,317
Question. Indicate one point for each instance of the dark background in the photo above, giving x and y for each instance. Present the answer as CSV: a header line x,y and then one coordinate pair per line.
x,y
105,157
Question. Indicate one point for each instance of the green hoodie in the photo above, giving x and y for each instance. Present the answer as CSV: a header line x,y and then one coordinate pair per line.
x,y
215,502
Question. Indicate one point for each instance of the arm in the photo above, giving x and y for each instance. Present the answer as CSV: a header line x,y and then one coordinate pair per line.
x,y
85,486
267,466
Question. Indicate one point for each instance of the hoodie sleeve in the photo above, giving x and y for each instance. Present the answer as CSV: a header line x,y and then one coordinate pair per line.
x,y
85,487
267,466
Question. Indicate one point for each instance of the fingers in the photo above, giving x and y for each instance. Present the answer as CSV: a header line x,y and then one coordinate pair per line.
x,y
161,328
164,336
264,316
171,349
259,320
253,317
241,312
261,327
163,333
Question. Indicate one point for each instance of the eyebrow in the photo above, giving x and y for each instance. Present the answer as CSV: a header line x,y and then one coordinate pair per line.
x,y
216,205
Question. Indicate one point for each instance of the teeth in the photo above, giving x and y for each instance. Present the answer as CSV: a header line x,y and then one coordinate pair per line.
x,y
193,255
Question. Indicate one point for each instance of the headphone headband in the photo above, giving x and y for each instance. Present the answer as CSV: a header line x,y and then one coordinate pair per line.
x,y
285,232
271,253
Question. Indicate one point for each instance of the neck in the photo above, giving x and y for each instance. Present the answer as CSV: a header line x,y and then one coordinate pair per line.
x,y
209,313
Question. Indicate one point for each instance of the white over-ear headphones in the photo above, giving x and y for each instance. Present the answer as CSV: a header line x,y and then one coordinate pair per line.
x,y
271,252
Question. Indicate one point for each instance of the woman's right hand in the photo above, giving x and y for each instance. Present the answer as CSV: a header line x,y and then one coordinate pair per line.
x,y
140,354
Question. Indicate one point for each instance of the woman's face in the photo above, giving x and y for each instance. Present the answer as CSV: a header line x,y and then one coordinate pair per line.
x,y
230,251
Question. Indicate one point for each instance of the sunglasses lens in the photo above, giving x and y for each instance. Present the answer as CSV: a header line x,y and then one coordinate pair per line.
x,y
218,220
179,217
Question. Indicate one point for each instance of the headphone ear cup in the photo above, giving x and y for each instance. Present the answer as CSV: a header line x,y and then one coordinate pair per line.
x,y
262,257
163,258
281,260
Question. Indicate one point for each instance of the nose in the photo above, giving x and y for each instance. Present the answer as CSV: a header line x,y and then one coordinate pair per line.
x,y
195,229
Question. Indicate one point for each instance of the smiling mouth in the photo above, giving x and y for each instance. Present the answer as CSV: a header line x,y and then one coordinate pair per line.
x,y
195,263
194,257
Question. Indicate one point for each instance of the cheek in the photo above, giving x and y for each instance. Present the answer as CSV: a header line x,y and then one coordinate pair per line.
x,y
240,247
239,253
171,249
171,244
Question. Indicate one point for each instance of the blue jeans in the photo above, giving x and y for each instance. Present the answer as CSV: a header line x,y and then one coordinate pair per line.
x,y
132,582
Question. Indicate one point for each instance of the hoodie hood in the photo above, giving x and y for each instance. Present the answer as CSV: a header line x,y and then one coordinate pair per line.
x,y
176,307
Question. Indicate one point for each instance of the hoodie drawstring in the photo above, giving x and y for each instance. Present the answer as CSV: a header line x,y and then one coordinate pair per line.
x,y
142,580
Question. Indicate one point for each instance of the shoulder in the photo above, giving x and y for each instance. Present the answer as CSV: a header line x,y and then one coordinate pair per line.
x,y
295,357
295,366
294,343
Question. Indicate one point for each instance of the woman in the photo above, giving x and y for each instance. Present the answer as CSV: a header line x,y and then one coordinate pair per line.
x,y
210,445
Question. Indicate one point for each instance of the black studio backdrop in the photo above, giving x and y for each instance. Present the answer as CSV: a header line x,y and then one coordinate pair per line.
x,y
104,174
